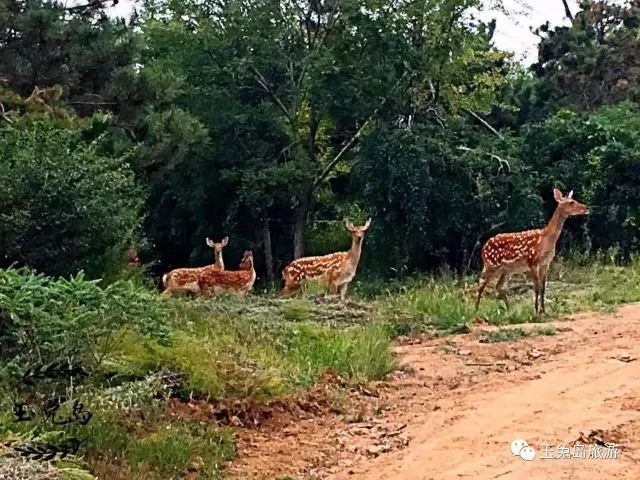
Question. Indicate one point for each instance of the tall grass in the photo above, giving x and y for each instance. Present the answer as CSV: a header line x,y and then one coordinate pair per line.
x,y
447,303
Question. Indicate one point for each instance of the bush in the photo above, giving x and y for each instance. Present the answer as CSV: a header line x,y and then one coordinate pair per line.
x,y
46,319
436,193
598,156
63,205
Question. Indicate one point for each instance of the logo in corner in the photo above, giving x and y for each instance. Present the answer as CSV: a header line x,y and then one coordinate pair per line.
x,y
520,448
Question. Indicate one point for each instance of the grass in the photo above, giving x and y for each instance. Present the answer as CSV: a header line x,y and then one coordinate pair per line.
x,y
446,303
515,334
258,348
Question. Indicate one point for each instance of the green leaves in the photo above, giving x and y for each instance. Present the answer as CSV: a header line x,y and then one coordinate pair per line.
x,y
62,204
57,320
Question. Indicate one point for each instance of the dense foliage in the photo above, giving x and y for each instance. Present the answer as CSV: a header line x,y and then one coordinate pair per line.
x,y
270,121
64,205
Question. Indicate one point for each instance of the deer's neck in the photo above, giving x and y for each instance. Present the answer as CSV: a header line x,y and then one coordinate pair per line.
x,y
355,250
219,262
552,231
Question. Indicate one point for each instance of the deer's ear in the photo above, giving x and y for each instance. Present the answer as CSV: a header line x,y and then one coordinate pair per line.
x,y
224,242
348,224
209,242
570,194
557,194
366,225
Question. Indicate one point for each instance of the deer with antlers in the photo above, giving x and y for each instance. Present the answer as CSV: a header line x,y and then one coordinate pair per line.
x,y
183,280
530,252
215,282
336,269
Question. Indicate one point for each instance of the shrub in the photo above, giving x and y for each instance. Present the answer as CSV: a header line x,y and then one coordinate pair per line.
x,y
47,319
62,204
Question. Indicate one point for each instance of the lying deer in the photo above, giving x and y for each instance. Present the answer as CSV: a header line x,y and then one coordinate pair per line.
x,y
214,282
337,269
182,280
528,252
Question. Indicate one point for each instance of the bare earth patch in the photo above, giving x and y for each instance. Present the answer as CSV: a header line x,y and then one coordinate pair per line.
x,y
453,409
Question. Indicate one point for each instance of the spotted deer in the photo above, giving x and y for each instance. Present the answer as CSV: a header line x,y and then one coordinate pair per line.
x,y
183,280
530,252
337,269
214,282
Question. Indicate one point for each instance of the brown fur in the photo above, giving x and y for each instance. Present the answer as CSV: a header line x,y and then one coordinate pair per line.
x,y
214,282
183,280
132,258
530,252
336,269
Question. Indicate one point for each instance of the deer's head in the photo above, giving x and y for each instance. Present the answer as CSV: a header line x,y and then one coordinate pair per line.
x,y
217,246
357,233
247,261
567,205
132,257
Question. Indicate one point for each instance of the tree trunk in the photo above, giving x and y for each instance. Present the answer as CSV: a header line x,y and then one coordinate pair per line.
x,y
268,252
567,10
304,207
302,215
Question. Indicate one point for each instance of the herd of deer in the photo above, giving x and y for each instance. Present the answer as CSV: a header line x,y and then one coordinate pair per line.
x,y
530,252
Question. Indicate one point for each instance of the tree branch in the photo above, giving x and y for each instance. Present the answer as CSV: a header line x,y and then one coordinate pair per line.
x,y
484,123
265,86
91,4
567,11
79,102
355,137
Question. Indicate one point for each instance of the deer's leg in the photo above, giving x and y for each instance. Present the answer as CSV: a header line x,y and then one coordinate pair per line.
x,y
535,276
543,287
501,287
343,291
487,275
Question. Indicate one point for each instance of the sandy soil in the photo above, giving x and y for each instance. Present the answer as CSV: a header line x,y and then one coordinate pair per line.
x,y
454,408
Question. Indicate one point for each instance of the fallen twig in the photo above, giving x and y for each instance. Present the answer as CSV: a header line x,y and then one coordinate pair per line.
x,y
502,474
485,364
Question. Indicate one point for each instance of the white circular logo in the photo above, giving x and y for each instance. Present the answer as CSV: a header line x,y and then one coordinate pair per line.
x,y
527,453
518,445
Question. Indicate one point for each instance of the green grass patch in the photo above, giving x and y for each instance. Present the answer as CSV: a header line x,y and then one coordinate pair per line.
x,y
256,347
515,334
446,303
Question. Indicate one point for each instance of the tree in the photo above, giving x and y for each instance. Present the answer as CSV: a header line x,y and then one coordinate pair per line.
x,y
64,206
592,63
288,89
450,190
598,156
80,48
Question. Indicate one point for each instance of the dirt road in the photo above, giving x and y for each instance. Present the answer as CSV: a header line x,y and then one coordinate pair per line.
x,y
459,403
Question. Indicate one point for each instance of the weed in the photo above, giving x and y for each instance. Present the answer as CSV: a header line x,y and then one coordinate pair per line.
x,y
514,334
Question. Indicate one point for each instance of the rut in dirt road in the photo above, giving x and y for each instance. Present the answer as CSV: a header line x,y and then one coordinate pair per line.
x,y
460,404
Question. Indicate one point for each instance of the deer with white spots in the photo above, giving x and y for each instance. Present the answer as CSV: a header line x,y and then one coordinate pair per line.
x,y
530,252
183,280
215,282
337,269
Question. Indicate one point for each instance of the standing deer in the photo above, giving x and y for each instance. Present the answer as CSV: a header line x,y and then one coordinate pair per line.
x,y
214,282
182,280
337,269
530,252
